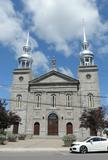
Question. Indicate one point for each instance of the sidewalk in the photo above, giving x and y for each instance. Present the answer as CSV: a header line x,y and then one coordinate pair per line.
x,y
35,145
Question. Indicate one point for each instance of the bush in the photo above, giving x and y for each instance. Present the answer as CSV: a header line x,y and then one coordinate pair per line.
x,y
21,136
69,139
12,138
106,131
3,139
3,132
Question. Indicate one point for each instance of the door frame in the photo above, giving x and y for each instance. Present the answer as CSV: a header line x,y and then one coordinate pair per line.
x,y
67,127
15,128
53,118
36,132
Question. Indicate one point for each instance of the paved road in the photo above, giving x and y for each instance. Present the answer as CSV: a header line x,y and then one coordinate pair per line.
x,y
51,156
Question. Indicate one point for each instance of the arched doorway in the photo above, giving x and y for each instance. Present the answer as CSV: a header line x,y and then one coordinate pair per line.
x,y
52,124
69,128
36,128
15,128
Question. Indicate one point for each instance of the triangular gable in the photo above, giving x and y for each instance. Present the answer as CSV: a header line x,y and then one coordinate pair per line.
x,y
53,77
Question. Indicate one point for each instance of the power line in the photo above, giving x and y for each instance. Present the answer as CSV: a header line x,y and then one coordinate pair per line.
x,y
49,104
46,104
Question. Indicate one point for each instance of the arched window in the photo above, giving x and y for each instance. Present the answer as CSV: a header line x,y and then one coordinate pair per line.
x,y
38,100
23,64
90,100
18,100
86,61
27,64
68,100
53,100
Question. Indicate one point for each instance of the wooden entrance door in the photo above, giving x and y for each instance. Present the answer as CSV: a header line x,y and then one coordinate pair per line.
x,y
36,128
69,128
15,128
53,124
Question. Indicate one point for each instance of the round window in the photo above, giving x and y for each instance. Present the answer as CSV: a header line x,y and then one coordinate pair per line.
x,y
21,78
88,76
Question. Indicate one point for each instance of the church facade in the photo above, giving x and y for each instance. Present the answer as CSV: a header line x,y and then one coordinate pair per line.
x,y
52,104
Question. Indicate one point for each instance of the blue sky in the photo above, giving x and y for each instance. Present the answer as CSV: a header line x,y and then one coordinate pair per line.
x,y
55,28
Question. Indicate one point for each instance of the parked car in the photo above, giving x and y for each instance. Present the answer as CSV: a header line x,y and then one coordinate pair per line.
x,y
90,144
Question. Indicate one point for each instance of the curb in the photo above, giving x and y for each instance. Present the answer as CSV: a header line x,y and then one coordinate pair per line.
x,y
32,149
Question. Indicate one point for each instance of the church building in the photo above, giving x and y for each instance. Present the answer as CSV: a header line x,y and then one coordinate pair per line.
x,y
51,104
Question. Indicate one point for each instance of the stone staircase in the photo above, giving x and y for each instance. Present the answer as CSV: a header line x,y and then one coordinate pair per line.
x,y
46,137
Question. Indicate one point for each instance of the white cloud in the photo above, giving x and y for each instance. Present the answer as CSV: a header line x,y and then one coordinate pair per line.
x,y
66,71
13,35
59,22
40,61
10,24
11,28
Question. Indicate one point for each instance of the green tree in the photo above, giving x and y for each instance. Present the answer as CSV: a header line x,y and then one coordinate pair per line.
x,y
7,118
4,118
94,119
13,118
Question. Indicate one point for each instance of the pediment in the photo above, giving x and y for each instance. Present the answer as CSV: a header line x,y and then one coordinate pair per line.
x,y
53,77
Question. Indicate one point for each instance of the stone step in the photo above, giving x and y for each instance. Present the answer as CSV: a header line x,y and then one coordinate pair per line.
x,y
46,137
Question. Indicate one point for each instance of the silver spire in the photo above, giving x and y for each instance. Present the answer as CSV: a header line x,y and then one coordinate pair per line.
x,y
85,43
27,42
27,48
86,56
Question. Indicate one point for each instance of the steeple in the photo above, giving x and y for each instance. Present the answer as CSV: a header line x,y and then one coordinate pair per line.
x,y
86,56
27,42
53,63
25,61
85,43
27,48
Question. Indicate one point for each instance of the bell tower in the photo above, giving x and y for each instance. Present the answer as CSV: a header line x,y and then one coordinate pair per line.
x,y
88,76
19,90
25,60
86,56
